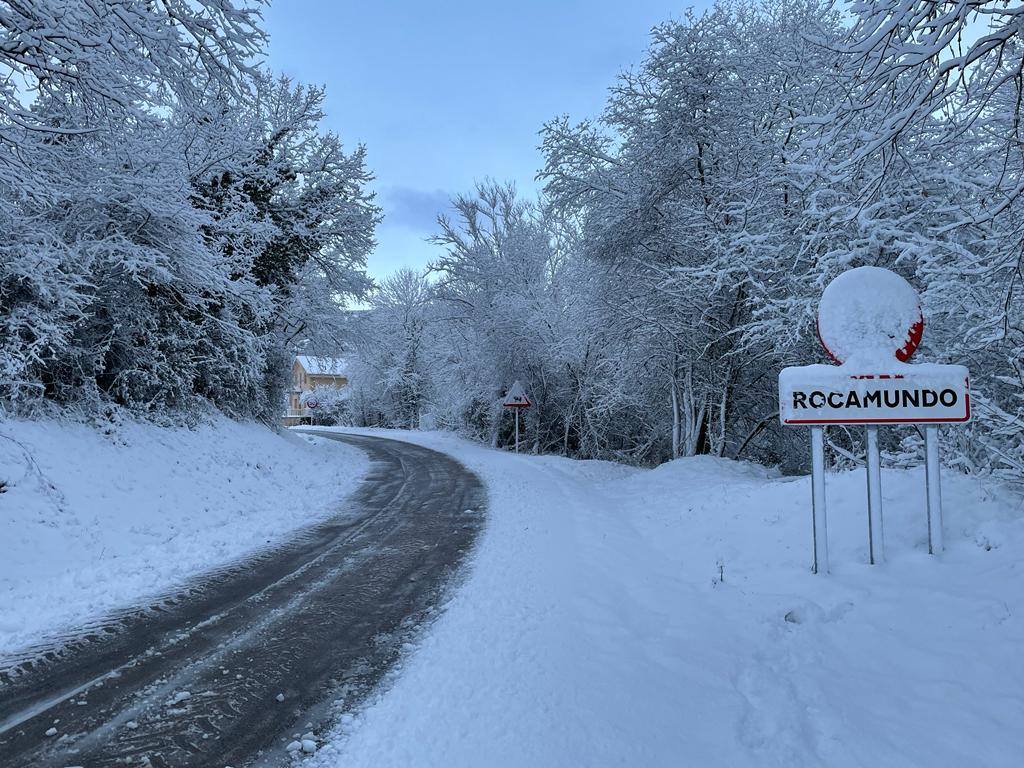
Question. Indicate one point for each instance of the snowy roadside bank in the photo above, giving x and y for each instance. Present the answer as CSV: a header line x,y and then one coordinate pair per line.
x,y
91,522
595,627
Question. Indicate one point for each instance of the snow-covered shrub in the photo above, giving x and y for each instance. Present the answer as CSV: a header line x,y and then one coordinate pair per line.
x,y
329,405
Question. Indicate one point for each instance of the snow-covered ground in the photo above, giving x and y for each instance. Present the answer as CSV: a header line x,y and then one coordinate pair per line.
x,y
667,617
90,522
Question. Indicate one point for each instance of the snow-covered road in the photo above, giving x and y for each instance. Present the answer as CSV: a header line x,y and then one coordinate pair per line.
x,y
244,661
611,615
668,617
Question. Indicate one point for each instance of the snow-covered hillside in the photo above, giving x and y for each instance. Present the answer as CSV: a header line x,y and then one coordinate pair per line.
x,y
90,521
668,617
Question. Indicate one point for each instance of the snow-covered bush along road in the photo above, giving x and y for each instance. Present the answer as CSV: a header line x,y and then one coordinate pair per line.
x,y
90,522
666,617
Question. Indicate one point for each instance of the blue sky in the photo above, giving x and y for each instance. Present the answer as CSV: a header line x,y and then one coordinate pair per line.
x,y
446,93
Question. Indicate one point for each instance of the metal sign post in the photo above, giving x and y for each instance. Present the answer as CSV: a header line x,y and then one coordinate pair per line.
x,y
517,430
934,490
876,547
819,515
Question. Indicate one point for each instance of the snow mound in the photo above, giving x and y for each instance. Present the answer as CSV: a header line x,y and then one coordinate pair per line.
x,y
92,521
703,469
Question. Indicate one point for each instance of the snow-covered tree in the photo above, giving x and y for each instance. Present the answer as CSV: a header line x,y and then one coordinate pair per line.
x,y
393,353
686,188
175,220
926,143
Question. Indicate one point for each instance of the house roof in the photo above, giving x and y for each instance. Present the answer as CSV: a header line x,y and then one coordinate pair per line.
x,y
322,366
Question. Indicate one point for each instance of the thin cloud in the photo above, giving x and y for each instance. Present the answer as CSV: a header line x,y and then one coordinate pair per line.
x,y
415,209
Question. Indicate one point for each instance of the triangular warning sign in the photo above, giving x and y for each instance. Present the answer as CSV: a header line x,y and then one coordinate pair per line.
x,y
516,397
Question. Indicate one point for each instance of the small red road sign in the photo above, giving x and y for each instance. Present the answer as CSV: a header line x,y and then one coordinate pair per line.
x,y
516,397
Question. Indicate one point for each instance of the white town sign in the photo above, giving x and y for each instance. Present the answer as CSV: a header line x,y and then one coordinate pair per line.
x,y
825,394
870,323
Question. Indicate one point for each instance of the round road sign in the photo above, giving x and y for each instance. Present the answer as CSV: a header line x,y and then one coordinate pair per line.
x,y
868,315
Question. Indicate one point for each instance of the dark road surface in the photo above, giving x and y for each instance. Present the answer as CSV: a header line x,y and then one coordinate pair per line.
x,y
195,679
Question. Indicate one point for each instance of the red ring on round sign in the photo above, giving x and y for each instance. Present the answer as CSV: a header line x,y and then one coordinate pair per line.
x,y
905,352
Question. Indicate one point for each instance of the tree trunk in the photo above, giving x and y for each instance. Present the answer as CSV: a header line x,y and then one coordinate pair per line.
x,y
676,422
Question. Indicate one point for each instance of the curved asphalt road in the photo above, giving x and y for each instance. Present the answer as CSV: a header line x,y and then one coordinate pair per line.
x,y
195,679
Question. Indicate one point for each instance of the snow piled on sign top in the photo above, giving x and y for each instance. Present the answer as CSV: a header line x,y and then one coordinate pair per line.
x,y
92,521
866,315
622,617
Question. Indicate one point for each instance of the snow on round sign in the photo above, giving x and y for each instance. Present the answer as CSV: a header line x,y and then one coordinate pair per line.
x,y
868,315
870,323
